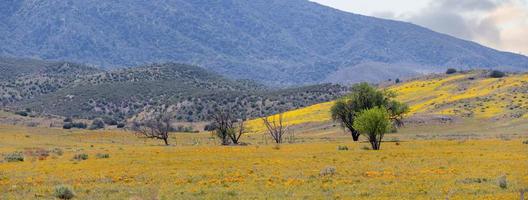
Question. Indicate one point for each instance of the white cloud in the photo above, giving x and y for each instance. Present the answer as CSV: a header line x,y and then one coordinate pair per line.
x,y
500,24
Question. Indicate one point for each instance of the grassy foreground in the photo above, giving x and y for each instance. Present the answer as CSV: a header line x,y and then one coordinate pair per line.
x,y
197,168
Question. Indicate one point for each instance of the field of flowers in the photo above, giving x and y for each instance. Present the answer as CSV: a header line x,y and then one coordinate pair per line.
x,y
196,167
469,95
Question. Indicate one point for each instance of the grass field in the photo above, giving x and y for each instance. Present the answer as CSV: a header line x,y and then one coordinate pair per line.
x,y
196,167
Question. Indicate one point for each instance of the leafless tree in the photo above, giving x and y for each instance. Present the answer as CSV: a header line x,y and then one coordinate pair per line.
x,y
156,126
227,129
276,127
237,132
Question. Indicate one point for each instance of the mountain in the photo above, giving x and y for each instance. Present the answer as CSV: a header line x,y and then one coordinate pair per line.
x,y
79,91
275,42
443,98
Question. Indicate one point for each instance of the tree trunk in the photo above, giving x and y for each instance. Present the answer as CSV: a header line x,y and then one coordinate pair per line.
x,y
375,144
355,135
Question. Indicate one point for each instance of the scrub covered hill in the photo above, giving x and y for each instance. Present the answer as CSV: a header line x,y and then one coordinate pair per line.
x,y
471,95
79,91
22,79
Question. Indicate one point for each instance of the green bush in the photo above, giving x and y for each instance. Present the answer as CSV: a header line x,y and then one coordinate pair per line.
x,y
14,157
97,124
64,192
102,155
210,127
80,157
342,148
121,125
22,113
109,121
451,71
79,125
67,126
497,74
503,183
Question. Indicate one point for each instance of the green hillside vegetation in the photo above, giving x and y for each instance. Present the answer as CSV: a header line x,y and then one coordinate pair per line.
x,y
25,78
194,93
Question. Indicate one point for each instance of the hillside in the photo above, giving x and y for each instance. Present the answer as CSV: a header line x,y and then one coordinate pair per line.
x,y
67,89
26,78
275,42
466,95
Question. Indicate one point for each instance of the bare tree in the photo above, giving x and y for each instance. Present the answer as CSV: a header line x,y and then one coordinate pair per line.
x,y
227,129
276,127
237,132
157,126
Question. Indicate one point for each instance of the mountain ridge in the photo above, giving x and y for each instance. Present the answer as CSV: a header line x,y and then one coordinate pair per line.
x,y
267,41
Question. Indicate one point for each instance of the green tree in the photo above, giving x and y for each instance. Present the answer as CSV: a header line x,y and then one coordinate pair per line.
x,y
396,111
373,123
343,112
497,74
451,71
362,97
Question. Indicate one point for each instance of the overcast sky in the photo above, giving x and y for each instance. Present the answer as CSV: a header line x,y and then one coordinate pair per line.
x,y
500,24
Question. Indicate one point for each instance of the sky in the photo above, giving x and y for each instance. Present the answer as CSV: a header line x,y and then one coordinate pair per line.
x,y
500,24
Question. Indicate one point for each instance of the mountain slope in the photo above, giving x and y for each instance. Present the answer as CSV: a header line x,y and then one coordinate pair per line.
x,y
26,78
192,92
274,41
464,95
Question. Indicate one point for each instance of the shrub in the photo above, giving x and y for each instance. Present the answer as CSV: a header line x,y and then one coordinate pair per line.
x,y
14,157
503,183
183,129
80,157
79,125
121,125
22,113
328,171
397,81
64,192
102,155
40,153
210,127
451,71
57,151
497,74
110,121
342,148
68,119
525,142
67,126
97,124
